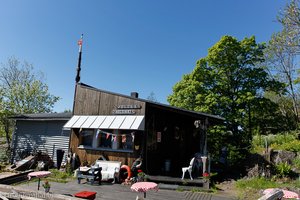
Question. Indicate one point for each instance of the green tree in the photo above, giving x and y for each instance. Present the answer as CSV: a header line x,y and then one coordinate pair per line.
x,y
230,83
23,91
281,55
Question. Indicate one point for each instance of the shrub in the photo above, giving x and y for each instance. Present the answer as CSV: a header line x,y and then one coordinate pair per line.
x,y
284,141
235,156
283,169
296,163
3,157
58,174
291,146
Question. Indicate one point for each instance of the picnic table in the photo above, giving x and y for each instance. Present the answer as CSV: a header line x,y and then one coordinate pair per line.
x,y
38,174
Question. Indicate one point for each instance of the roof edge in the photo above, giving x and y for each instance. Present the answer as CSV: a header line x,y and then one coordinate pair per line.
x,y
219,118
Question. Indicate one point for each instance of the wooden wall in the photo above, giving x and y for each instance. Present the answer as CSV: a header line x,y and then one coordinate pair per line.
x,y
90,101
179,140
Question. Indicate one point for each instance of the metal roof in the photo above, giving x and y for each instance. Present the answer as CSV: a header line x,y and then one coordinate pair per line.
x,y
43,116
125,122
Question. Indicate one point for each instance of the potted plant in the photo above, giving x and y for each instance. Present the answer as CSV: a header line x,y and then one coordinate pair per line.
x,y
46,186
206,175
140,176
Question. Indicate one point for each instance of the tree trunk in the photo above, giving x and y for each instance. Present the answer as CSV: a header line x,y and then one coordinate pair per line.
x,y
294,98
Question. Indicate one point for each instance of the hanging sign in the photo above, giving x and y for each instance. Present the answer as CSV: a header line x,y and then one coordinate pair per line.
x,y
126,109
123,112
158,135
135,106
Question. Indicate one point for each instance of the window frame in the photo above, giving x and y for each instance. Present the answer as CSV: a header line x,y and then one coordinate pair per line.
x,y
96,143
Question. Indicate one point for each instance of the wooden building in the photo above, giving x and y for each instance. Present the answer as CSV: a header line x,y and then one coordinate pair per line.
x,y
123,128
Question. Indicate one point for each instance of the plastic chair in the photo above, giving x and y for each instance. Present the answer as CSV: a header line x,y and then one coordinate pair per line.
x,y
189,169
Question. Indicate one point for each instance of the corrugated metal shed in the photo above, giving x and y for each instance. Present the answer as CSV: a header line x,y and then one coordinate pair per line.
x,y
40,132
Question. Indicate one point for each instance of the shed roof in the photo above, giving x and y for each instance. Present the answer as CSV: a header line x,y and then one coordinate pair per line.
x,y
44,116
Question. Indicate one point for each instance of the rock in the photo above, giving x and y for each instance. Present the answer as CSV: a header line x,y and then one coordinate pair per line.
x,y
281,156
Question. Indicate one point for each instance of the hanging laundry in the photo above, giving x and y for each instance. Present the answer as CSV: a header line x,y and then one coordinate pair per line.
x,y
114,138
132,135
97,133
123,138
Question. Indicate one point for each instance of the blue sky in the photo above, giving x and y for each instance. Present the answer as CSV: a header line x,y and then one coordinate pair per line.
x,y
129,45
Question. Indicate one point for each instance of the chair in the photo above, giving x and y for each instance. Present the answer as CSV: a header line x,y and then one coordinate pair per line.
x,y
189,169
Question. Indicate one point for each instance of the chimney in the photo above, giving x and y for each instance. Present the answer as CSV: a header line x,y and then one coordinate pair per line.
x,y
134,94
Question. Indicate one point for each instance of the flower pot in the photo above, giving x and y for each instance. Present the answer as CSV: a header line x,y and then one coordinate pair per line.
x,y
140,179
47,190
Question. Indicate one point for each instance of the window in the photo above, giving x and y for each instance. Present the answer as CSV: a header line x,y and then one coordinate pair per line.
x,y
108,139
87,137
116,139
127,141
104,139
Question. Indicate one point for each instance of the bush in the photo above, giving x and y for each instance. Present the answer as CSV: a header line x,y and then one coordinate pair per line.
x,y
235,156
293,146
263,140
59,174
296,163
285,141
3,157
283,170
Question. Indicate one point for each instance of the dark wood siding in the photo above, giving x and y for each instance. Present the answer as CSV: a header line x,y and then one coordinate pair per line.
x,y
89,101
179,141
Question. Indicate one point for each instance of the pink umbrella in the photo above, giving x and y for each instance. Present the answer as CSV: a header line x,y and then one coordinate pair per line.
x,y
286,193
38,174
290,195
144,187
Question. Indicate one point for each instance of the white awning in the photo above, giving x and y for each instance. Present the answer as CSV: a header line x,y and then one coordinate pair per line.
x,y
125,122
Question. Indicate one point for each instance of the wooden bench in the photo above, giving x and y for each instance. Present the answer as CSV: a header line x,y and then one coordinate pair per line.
x,y
110,169
91,174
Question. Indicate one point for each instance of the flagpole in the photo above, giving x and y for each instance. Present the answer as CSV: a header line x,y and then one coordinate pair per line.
x,y
77,79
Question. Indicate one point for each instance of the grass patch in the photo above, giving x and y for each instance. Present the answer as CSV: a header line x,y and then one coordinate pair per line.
x,y
255,183
60,176
55,176
249,194
179,189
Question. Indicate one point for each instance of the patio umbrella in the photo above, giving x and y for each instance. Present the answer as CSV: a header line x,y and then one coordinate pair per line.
x,y
144,187
290,195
